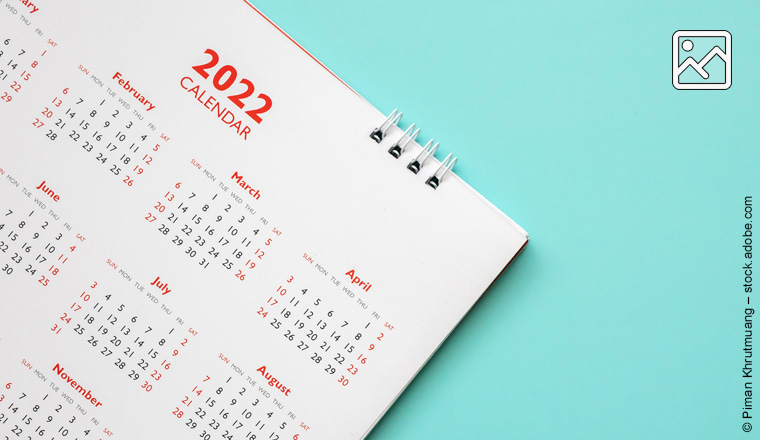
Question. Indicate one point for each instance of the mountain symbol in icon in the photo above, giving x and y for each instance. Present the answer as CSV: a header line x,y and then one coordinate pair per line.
x,y
699,67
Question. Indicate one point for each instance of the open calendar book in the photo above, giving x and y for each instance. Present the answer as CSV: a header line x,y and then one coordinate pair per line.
x,y
204,233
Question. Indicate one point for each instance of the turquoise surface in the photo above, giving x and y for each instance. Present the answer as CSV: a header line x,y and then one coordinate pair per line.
x,y
623,318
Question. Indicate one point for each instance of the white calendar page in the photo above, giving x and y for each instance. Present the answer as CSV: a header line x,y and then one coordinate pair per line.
x,y
198,238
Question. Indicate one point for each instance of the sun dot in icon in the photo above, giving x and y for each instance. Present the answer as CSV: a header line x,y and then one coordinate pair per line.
x,y
687,45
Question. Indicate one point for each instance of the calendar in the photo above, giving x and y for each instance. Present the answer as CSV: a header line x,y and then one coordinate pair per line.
x,y
205,233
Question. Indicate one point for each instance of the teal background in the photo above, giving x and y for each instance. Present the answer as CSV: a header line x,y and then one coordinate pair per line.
x,y
623,316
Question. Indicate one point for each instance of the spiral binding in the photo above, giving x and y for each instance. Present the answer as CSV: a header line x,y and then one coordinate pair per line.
x,y
396,149
410,134
446,166
379,133
416,164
